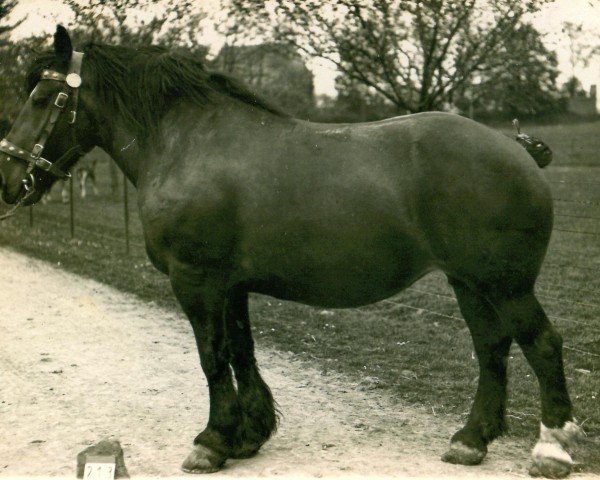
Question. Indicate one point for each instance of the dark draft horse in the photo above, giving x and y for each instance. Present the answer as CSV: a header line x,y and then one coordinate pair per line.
x,y
237,197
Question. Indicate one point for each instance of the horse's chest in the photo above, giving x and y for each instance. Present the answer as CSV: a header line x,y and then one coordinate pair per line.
x,y
190,228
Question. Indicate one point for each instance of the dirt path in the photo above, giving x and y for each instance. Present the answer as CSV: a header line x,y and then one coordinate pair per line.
x,y
80,362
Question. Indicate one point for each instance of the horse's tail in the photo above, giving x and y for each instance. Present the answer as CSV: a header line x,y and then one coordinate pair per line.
x,y
538,150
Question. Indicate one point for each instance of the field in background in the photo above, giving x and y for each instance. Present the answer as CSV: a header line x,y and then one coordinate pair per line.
x,y
415,346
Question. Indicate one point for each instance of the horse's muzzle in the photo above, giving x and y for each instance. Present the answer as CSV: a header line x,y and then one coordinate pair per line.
x,y
17,188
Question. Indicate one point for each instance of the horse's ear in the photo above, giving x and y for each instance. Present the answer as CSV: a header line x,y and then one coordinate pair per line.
x,y
62,45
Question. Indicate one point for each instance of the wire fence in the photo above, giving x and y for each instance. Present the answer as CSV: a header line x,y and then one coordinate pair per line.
x,y
72,200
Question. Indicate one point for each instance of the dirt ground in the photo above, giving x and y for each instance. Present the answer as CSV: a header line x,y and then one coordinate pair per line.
x,y
80,362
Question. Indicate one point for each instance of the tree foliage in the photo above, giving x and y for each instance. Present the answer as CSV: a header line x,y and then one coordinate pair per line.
x,y
274,71
14,58
128,22
119,22
6,7
12,65
583,45
416,54
523,86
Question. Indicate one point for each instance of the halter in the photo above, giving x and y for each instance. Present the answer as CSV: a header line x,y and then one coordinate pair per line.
x,y
34,159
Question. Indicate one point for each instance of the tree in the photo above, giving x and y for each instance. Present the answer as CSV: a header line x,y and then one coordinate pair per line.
x,y
6,6
12,65
573,87
354,105
525,84
110,21
126,22
236,30
274,71
416,54
581,46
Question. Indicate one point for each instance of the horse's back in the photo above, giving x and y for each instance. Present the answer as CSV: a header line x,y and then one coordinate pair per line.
x,y
472,201
440,162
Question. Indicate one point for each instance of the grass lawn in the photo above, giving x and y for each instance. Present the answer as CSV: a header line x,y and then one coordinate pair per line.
x,y
414,346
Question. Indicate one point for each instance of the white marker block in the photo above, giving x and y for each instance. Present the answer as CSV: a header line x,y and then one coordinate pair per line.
x,y
99,467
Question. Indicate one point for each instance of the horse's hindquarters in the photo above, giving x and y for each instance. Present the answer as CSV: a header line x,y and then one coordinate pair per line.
x,y
484,208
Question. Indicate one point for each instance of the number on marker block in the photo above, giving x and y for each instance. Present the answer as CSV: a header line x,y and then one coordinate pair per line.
x,y
99,468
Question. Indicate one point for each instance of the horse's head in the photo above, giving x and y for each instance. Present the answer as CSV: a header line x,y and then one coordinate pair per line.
x,y
44,141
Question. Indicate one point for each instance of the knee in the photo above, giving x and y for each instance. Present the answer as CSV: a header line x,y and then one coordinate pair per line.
x,y
549,343
214,364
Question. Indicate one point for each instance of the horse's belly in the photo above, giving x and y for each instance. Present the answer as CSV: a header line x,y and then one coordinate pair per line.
x,y
341,278
351,292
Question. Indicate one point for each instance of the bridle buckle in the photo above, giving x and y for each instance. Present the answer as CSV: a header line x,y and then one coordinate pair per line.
x,y
43,164
61,100
36,151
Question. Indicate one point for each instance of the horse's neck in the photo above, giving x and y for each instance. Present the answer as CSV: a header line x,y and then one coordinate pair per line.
x,y
123,147
128,151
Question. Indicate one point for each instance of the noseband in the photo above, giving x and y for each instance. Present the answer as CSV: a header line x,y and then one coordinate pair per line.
x,y
71,82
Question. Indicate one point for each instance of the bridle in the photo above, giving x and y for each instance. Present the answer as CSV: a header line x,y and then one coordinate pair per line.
x,y
34,160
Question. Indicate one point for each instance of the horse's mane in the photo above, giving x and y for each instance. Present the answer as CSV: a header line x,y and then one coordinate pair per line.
x,y
143,83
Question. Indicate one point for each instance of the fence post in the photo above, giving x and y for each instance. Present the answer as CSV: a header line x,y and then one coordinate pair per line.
x,y
126,213
72,207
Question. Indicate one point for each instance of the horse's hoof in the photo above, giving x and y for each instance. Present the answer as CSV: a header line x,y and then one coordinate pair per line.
x,y
203,460
461,454
550,460
550,468
551,456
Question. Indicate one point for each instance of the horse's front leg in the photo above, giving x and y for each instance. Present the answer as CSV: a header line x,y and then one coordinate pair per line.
x,y
257,409
202,297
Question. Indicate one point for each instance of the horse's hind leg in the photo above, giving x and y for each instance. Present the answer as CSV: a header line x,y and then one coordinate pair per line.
x,y
542,347
492,343
202,297
258,418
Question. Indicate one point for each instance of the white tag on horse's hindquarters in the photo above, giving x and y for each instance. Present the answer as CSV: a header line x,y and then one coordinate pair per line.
x,y
99,468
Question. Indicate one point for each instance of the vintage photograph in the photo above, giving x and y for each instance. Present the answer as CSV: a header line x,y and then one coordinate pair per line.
x,y
299,239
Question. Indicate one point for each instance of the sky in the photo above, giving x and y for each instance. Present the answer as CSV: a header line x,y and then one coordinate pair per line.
x,y
42,16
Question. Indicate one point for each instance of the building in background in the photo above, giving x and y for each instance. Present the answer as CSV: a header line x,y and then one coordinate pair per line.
x,y
275,72
582,103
